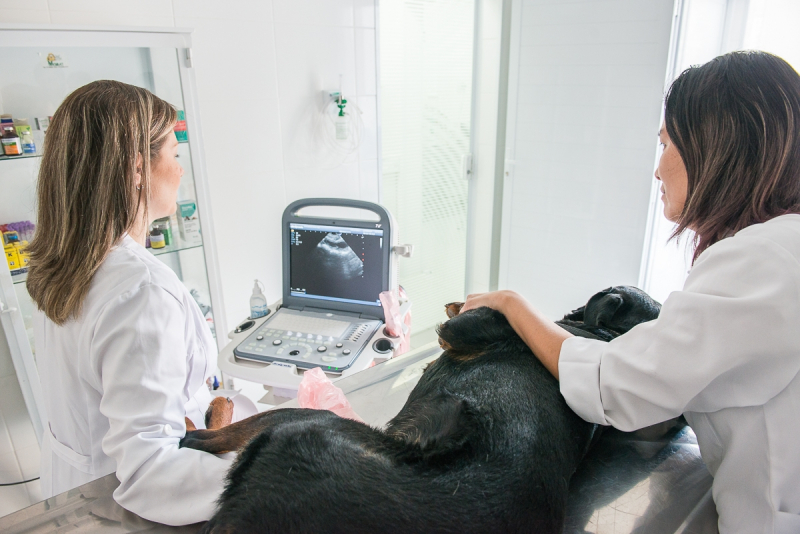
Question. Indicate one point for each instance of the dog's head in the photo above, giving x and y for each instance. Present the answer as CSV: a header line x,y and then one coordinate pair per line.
x,y
472,333
615,310
608,314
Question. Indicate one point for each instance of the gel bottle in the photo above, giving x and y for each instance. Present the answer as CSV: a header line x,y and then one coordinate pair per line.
x,y
258,302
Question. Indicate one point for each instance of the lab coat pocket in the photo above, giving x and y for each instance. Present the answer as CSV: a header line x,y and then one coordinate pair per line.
x,y
78,461
786,523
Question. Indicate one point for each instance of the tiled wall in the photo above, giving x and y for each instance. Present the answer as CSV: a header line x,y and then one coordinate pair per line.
x,y
261,67
587,81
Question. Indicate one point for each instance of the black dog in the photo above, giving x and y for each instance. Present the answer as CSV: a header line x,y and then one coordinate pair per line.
x,y
485,443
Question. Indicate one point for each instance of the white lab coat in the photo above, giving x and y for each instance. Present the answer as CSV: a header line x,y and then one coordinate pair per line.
x,y
725,352
117,384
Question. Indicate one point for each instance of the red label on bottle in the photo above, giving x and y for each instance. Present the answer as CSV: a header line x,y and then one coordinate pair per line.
x,y
180,126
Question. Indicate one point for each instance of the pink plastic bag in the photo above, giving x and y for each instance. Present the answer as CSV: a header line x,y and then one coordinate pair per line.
x,y
318,392
394,323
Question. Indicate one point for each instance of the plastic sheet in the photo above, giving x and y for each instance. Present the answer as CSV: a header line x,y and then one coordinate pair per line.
x,y
396,325
318,392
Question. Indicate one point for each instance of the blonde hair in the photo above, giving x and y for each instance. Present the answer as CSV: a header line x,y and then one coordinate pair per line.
x,y
87,192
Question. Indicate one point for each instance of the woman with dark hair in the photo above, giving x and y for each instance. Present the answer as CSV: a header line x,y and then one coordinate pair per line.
x,y
123,350
724,351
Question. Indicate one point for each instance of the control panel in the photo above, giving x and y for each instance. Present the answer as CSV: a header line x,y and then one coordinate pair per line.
x,y
309,339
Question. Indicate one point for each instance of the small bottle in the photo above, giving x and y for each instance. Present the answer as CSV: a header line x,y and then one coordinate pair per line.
x,y
258,303
157,239
25,136
11,142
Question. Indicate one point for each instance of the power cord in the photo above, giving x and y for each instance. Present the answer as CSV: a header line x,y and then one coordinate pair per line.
x,y
18,483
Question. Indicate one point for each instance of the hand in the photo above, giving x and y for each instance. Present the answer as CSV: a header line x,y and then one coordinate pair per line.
x,y
497,300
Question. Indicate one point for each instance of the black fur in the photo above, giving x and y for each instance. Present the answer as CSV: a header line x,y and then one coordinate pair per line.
x,y
485,443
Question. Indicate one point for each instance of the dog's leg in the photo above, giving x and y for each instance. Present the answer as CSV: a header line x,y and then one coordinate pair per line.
x,y
219,413
228,438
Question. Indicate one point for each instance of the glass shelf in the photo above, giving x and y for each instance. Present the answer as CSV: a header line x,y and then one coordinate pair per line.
x,y
38,154
21,156
175,246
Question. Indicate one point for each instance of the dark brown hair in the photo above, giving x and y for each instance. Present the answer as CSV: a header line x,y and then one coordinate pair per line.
x,y
736,124
87,194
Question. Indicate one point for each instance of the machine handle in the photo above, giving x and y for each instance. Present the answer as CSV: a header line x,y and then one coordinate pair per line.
x,y
292,209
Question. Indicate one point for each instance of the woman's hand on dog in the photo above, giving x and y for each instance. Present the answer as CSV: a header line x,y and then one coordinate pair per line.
x,y
496,300
543,336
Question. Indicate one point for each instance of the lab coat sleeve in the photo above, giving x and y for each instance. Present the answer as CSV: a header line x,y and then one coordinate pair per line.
x,y
729,339
140,353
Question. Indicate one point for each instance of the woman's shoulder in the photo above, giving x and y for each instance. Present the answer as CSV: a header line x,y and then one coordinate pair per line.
x,y
782,234
130,267
768,252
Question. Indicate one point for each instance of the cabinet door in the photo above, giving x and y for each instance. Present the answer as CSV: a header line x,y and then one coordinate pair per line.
x,y
35,80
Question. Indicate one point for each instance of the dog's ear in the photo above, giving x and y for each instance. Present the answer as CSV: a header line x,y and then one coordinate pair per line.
x,y
601,308
575,315
436,429
453,309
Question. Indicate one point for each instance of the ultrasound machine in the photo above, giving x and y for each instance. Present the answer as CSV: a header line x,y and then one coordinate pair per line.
x,y
330,316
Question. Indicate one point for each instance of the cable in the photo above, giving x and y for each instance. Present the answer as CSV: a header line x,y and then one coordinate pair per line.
x,y
18,483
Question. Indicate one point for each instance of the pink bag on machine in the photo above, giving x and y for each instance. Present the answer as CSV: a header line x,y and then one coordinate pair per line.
x,y
394,323
318,392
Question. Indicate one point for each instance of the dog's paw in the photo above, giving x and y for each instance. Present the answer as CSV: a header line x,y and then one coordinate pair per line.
x,y
219,413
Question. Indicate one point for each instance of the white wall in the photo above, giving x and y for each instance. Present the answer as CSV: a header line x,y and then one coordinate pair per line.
x,y
585,93
260,66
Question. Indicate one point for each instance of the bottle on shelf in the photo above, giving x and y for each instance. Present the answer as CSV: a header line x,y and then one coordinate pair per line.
x,y
258,302
25,135
12,146
157,239
164,226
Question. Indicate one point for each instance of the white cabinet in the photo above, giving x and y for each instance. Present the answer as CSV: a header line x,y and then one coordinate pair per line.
x,y
39,66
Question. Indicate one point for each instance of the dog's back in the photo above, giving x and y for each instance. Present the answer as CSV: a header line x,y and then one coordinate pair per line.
x,y
485,443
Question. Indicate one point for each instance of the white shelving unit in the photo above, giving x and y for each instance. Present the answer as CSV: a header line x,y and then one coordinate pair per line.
x,y
157,59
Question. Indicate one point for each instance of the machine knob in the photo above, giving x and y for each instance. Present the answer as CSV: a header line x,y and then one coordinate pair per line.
x,y
277,342
339,345
259,338
322,348
346,352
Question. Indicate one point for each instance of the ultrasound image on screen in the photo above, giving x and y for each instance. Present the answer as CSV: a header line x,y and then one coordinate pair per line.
x,y
343,264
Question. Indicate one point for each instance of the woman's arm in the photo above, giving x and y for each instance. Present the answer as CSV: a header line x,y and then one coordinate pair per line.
x,y
543,336
140,353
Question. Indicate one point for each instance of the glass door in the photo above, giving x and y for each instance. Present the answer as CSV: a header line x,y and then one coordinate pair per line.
x,y
426,62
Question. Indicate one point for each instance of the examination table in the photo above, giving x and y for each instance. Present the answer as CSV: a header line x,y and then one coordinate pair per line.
x,y
627,483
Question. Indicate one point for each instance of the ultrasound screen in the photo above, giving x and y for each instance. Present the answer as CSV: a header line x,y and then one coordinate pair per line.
x,y
336,263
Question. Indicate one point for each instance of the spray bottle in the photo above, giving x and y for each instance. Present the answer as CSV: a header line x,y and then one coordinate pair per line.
x,y
258,302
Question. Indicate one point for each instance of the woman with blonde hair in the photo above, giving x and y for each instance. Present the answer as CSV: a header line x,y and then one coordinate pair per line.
x,y
122,348
725,350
